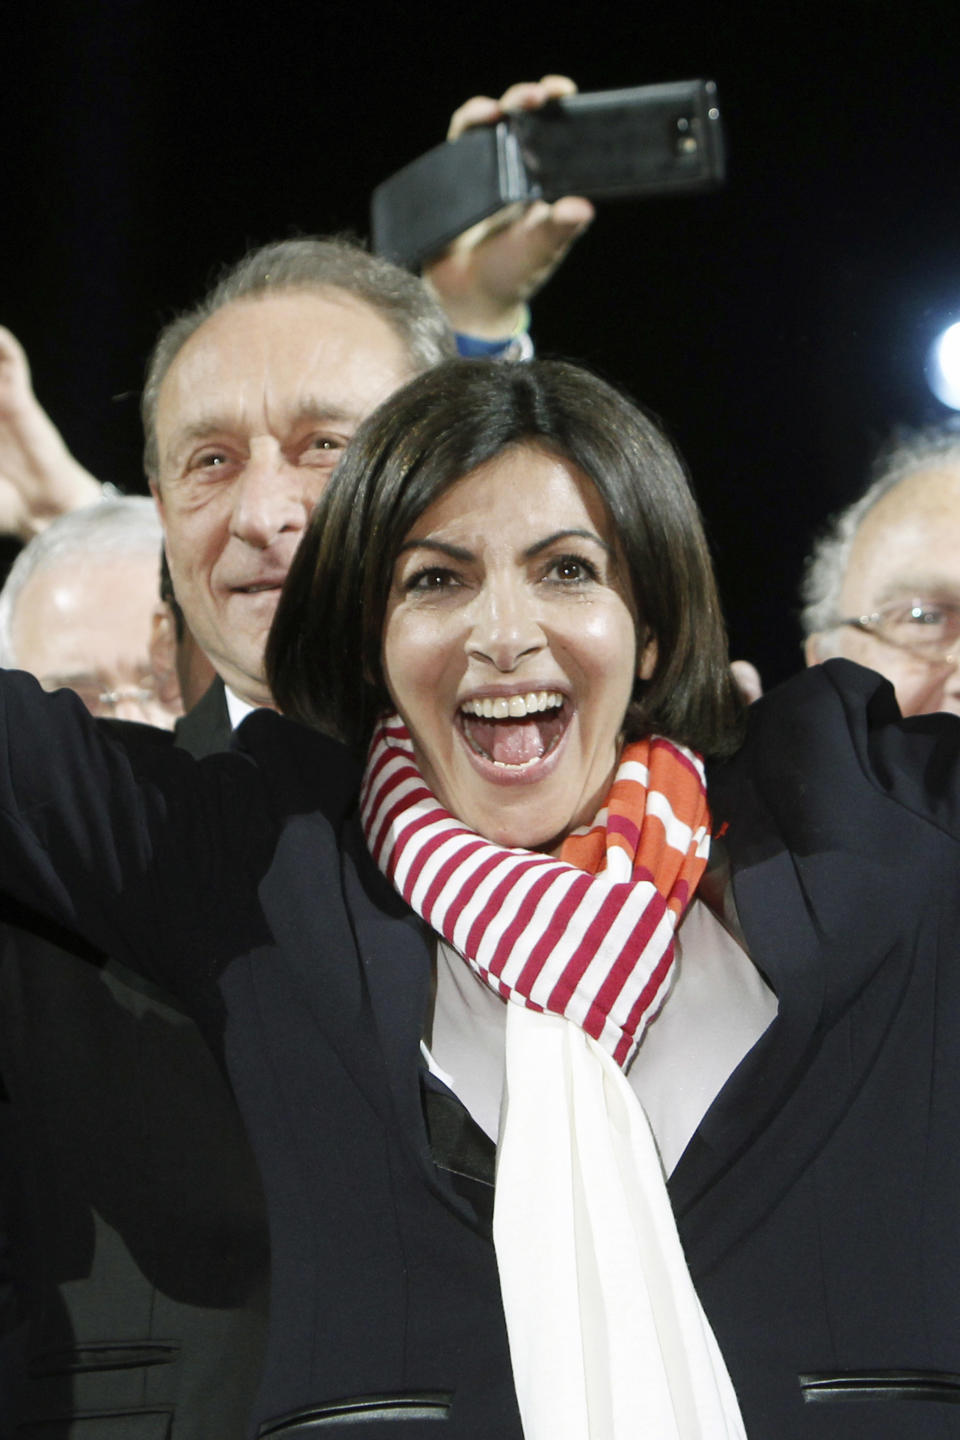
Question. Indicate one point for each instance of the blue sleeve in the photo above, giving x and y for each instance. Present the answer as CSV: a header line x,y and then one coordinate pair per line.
x,y
514,348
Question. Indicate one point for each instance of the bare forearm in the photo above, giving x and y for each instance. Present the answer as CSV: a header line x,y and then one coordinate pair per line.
x,y
39,478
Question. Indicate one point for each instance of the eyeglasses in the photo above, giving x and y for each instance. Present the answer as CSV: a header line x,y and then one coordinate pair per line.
x,y
104,702
929,629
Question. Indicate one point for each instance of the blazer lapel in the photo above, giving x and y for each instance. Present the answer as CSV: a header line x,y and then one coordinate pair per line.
x,y
396,951
395,954
722,1184
808,888
206,729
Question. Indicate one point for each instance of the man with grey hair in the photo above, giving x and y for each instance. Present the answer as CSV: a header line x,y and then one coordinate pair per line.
x,y
78,606
249,401
882,584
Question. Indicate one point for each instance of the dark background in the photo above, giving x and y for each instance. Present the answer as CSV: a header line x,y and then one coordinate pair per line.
x,y
779,327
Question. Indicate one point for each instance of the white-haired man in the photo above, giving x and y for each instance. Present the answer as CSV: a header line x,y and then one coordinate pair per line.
x,y
882,585
79,605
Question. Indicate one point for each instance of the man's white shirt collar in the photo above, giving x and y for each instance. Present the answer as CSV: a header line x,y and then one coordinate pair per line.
x,y
237,709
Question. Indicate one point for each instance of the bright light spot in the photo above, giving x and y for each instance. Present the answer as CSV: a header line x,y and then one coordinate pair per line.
x,y
943,367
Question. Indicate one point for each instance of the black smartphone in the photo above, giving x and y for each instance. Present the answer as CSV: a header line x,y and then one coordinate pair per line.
x,y
648,140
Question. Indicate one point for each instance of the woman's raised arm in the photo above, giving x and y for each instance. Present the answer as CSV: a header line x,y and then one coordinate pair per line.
x,y
117,835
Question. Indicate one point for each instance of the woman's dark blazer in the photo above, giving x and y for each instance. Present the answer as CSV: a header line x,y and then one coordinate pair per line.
x,y
819,1202
131,1201
818,1199
242,884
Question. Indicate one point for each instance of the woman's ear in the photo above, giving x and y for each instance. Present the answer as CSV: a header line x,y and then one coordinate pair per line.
x,y
647,660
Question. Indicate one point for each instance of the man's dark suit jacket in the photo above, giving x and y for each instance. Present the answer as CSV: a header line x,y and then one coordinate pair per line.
x,y
132,1205
818,1199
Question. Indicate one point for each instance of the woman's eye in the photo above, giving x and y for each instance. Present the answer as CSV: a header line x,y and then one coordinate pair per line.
x,y
572,569
433,579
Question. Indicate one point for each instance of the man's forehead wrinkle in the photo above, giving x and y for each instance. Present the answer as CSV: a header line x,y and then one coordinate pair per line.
x,y
279,415
274,365
283,410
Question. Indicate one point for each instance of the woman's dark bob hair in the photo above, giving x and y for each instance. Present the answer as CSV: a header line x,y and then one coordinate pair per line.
x,y
324,652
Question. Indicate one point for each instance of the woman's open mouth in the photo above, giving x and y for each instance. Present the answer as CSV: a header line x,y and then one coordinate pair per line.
x,y
514,732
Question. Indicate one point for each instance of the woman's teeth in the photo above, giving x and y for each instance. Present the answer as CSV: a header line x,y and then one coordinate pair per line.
x,y
512,707
514,731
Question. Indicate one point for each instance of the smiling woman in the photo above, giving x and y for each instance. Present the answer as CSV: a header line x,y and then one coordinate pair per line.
x,y
514,559
511,561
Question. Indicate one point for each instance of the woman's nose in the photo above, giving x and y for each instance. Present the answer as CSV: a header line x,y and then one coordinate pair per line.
x,y
506,626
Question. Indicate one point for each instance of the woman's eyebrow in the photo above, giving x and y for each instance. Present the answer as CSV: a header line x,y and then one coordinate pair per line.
x,y
532,551
457,552
454,552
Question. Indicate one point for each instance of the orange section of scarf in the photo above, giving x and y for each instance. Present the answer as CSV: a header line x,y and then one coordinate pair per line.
x,y
631,831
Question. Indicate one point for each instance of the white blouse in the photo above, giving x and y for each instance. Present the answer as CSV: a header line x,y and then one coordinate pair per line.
x,y
717,1009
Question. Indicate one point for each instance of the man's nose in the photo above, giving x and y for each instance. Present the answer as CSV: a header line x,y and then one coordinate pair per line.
x,y
270,497
506,625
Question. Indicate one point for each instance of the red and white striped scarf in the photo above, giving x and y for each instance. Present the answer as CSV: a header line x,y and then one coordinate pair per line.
x,y
589,936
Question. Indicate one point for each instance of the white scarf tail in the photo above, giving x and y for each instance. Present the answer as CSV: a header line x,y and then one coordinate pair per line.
x,y
608,1339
